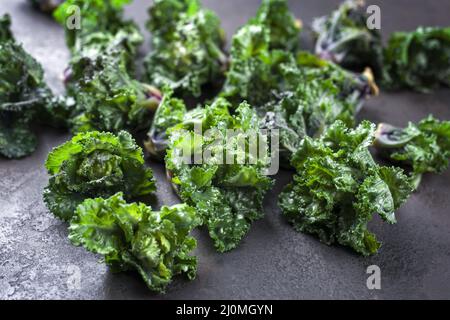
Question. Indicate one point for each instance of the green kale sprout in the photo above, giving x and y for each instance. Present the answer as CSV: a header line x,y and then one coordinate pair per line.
x,y
307,111
171,112
418,60
95,164
259,51
413,60
5,28
97,19
254,69
423,147
187,47
100,76
284,28
108,98
133,237
25,98
227,196
344,38
338,187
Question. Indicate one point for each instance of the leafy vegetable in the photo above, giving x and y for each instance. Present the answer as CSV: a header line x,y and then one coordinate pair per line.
x,y
108,98
95,164
46,5
99,20
307,111
297,95
254,69
338,187
260,51
188,47
353,88
99,78
418,60
227,196
344,38
133,237
283,27
25,99
171,112
425,147
5,28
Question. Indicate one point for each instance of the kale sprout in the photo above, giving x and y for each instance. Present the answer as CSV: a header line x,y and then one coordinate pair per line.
x,y
418,60
100,74
171,112
283,27
95,164
259,51
98,20
187,47
134,237
254,69
338,187
423,147
299,95
344,38
5,28
227,196
25,98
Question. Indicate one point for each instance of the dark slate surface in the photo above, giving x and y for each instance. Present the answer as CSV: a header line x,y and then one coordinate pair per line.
x,y
37,260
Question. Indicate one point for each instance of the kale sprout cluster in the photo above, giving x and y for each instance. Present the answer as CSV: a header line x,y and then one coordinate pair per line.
x,y
99,181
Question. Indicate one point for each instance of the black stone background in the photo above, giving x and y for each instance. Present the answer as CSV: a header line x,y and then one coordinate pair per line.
x,y
273,261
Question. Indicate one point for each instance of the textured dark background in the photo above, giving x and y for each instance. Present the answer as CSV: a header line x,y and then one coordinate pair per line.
x,y
273,262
